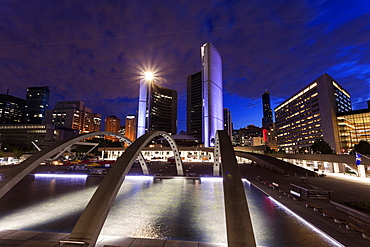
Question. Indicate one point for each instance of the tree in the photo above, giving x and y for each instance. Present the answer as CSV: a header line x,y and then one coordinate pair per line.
x,y
363,147
321,147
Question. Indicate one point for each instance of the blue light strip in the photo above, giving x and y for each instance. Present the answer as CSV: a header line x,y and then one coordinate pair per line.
x,y
58,175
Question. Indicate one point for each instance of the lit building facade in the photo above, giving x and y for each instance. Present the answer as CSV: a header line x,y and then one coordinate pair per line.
x,y
37,101
11,109
131,127
212,93
157,108
267,111
112,124
354,126
310,114
194,106
228,125
25,134
73,115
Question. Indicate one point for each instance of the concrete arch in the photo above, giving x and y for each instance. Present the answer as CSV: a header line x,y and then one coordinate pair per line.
x,y
238,220
13,176
90,223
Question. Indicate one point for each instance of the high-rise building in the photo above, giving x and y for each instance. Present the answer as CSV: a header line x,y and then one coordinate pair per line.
x,y
228,125
194,105
267,111
310,114
212,93
11,109
73,115
37,100
112,124
204,97
131,127
157,108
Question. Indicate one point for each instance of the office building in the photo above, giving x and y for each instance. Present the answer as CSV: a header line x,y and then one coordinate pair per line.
x,y
73,115
267,111
37,100
310,114
212,93
157,108
22,135
228,125
251,136
11,109
130,131
354,126
194,105
112,124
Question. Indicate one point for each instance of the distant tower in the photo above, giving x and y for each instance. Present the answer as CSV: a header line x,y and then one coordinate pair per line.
x,y
131,127
212,93
228,126
157,108
267,120
194,105
112,124
11,109
37,101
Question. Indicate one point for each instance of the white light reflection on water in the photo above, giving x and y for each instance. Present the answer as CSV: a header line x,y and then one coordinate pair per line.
x,y
167,209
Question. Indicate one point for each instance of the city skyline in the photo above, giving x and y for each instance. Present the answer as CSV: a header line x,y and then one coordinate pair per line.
x,y
94,52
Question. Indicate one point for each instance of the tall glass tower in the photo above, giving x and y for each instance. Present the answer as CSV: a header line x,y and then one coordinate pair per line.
x,y
267,111
212,93
37,101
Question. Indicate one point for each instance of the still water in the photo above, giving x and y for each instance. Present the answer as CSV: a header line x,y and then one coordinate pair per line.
x,y
167,209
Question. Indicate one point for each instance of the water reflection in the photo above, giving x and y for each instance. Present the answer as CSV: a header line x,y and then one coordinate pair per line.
x,y
166,209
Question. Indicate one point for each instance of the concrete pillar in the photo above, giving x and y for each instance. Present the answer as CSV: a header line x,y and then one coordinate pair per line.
x,y
315,164
336,167
304,163
361,171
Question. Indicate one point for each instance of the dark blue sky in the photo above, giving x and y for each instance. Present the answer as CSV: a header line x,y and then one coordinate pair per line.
x,y
93,50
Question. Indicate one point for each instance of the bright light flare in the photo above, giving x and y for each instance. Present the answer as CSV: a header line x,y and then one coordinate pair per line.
x,y
149,76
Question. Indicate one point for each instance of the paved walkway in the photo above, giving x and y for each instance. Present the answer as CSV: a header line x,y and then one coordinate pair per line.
x,y
344,189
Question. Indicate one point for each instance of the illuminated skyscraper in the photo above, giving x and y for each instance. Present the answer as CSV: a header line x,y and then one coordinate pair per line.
x,y
194,99
37,100
131,127
157,108
228,125
112,124
212,93
11,109
267,111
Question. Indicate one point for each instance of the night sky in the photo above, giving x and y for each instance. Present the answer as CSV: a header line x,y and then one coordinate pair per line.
x,y
94,50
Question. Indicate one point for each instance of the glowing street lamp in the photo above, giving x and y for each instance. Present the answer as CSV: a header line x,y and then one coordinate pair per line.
x,y
149,76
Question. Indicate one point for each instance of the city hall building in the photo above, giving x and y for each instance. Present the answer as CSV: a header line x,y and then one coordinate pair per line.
x,y
311,114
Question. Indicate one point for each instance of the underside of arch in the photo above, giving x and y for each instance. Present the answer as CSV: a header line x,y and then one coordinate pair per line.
x,y
90,223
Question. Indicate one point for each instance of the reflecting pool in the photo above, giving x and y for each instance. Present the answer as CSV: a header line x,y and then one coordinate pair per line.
x,y
167,209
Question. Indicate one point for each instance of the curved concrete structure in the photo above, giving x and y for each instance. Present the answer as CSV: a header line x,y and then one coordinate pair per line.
x,y
11,178
238,221
90,223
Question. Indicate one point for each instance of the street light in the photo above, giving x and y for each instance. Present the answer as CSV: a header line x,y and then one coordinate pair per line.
x,y
149,76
